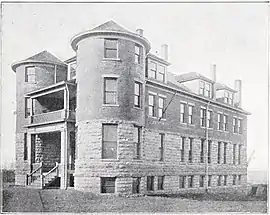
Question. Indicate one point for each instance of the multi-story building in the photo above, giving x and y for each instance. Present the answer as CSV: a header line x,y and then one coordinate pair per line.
x,y
112,119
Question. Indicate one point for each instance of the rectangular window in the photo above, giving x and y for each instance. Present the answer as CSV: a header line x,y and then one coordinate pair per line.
x,y
151,105
239,124
110,90
150,183
234,125
225,180
190,181
30,74
161,158
209,119
234,180
209,151
137,140
138,53
160,182
190,114
209,180
202,151
27,107
182,182
190,150
110,48
239,179
219,152
182,112
136,185
202,180
225,153
202,88
208,92
219,122
219,181
161,106
225,122
152,71
234,154
25,148
182,149
137,94
107,185
161,73
109,141
202,118
239,154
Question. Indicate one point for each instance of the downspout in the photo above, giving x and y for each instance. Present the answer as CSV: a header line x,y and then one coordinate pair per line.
x,y
206,140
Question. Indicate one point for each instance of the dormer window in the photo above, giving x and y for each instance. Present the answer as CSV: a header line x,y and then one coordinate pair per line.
x,y
111,48
228,97
161,73
152,72
205,89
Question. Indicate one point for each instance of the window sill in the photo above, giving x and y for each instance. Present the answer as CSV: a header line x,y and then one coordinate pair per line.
x,y
109,160
111,59
191,125
183,123
153,117
137,108
110,105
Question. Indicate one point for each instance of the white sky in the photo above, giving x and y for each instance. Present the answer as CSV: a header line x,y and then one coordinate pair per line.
x,y
234,36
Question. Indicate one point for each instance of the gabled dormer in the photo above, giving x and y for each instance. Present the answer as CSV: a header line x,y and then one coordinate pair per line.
x,y
225,94
197,83
156,66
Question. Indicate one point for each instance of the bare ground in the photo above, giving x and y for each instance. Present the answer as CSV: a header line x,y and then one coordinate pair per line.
x,y
19,199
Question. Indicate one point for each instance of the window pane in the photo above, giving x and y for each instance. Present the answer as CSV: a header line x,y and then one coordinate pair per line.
x,y
161,102
190,110
109,150
137,49
137,88
136,101
110,132
152,66
107,185
110,98
111,43
182,108
110,84
110,53
137,58
161,69
151,100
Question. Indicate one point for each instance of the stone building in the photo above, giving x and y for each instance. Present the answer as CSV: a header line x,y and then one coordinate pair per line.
x,y
112,119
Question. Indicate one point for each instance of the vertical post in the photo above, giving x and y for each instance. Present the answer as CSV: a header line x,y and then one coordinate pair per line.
x,y
206,151
41,175
63,172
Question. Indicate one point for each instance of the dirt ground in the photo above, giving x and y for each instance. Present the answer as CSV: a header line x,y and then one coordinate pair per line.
x,y
19,199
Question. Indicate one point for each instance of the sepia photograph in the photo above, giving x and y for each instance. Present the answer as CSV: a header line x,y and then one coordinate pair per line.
x,y
151,107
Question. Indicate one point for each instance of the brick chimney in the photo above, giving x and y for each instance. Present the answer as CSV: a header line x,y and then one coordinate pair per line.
x,y
139,31
164,51
238,94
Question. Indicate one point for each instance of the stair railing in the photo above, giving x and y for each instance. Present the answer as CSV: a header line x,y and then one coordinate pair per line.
x,y
30,175
54,169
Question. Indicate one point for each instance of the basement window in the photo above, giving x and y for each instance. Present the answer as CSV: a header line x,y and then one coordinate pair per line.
x,y
107,185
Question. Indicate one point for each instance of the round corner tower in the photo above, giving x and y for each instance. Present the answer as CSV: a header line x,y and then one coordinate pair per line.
x,y
110,100
33,73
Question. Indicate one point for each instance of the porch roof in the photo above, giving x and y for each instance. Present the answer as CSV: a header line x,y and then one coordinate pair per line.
x,y
51,87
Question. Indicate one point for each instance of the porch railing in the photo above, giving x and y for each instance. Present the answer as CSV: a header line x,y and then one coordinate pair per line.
x,y
54,172
34,175
51,116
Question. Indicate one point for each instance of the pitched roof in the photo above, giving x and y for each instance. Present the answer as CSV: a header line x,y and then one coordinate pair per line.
x,y
220,86
112,26
192,76
45,56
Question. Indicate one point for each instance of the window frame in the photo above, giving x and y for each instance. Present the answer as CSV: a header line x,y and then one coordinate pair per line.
x,y
27,76
203,117
161,108
109,141
152,71
219,127
239,126
234,154
234,180
182,182
136,184
109,48
190,115
209,151
25,147
161,73
235,125
139,97
209,180
138,142
209,119
27,111
225,122
202,151
201,87
219,180
182,150
160,184
239,153
105,91
161,148
201,180
190,151
182,112
225,177
153,112
225,147
190,181
102,184
137,56
219,152
150,180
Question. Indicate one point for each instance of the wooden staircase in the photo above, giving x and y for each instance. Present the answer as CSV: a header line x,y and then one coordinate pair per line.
x,y
40,180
